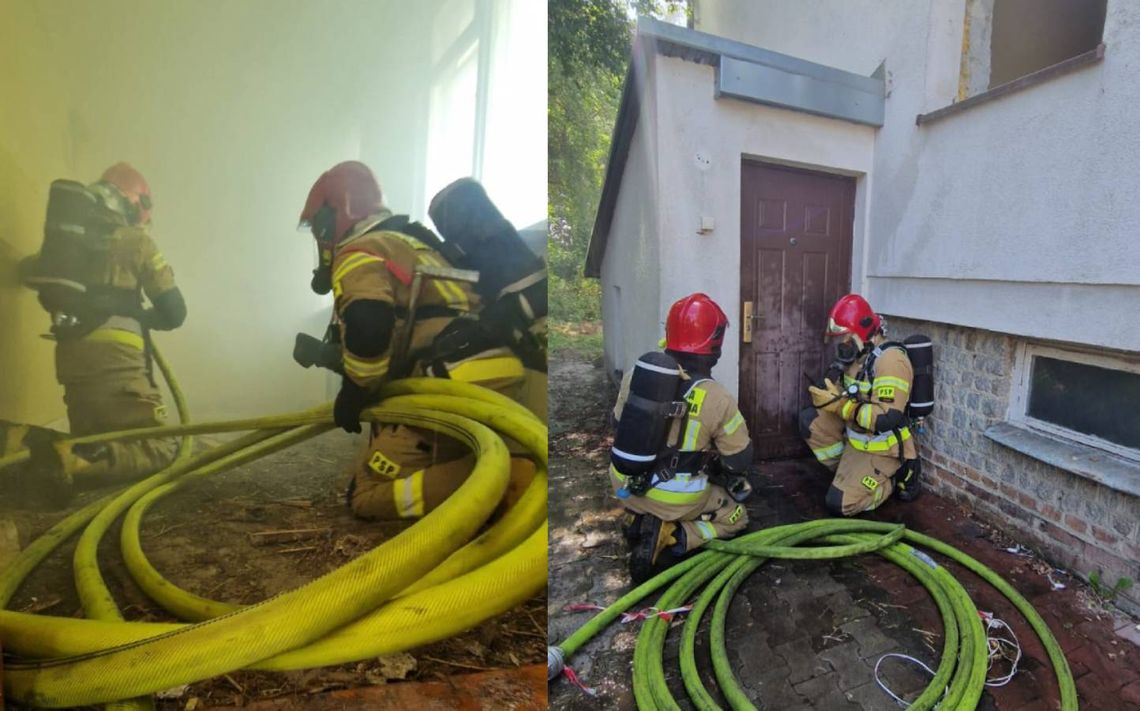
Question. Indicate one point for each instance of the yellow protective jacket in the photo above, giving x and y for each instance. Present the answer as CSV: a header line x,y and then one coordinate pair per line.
x,y
115,351
876,418
379,265
714,424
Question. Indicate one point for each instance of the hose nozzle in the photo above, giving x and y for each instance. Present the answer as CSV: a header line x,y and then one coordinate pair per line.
x,y
555,662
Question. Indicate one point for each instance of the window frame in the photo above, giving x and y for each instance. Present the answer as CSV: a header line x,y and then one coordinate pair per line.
x,y
475,37
1022,381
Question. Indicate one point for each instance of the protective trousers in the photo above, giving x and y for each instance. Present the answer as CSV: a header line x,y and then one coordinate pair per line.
x,y
409,471
715,515
106,389
862,480
95,408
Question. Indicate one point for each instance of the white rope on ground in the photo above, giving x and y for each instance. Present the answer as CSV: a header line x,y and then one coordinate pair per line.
x,y
885,688
1000,647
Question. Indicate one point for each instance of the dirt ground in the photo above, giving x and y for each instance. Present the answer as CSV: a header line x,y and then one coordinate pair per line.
x,y
220,538
806,635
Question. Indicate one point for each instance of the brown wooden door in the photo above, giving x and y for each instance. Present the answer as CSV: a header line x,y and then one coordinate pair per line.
x,y
795,261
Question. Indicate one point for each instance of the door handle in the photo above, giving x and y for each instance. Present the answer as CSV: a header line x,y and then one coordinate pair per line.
x,y
747,321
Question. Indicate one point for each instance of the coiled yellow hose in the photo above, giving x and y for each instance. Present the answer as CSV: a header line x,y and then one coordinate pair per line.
x,y
433,580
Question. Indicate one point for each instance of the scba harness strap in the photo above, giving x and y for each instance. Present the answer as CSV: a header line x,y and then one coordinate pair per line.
x,y
673,459
498,324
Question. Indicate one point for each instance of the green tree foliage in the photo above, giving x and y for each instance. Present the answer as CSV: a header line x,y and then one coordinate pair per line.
x,y
589,51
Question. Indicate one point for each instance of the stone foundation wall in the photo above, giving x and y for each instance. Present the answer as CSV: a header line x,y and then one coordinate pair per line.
x,y
1079,525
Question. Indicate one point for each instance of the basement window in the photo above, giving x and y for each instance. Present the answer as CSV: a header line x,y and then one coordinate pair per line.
x,y
1076,411
1086,398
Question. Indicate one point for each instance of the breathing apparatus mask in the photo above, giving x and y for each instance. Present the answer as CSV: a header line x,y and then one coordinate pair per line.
x,y
114,201
846,351
323,228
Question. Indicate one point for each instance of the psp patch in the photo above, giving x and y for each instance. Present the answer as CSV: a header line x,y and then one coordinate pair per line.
x,y
736,514
696,398
886,393
871,482
383,466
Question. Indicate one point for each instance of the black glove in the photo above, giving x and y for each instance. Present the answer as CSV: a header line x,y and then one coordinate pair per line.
x,y
350,401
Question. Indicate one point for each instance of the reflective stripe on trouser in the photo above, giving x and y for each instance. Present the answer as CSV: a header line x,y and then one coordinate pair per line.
x,y
414,492
432,464
725,517
864,480
826,437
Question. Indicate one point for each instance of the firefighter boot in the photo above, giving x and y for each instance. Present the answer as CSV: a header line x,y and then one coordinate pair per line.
x,y
631,526
655,548
58,462
908,481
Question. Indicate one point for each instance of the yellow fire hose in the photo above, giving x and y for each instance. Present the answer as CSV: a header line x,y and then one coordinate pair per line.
x,y
433,580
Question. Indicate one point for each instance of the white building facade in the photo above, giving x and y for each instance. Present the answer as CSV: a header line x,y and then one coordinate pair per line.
x,y
970,166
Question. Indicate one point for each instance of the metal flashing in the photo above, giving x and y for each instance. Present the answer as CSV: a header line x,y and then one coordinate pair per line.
x,y
773,86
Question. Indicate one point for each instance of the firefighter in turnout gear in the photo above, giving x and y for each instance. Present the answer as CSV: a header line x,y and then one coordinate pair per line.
x,y
376,268
858,426
696,485
101,329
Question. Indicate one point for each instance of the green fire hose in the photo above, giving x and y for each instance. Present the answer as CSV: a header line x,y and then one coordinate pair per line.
x,y
438,577
715,574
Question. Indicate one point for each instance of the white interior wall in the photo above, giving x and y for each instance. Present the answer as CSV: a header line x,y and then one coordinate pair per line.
x,y
231,111
33,151
699,175
1027,198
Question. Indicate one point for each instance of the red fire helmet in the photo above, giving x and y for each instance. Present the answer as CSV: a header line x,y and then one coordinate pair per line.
x,y
349,191
695,325
853,315
134,189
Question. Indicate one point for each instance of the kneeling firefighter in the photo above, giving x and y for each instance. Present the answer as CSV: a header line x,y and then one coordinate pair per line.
x,y
402,309
681,448
859,426
97,261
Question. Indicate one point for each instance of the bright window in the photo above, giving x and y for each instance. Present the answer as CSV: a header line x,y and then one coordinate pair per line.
x,y
451,133
487,116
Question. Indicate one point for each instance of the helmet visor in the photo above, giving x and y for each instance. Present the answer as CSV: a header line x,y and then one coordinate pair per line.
x,y
321,225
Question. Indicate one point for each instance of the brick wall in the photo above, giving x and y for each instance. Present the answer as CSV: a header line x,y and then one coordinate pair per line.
x,y
1079,525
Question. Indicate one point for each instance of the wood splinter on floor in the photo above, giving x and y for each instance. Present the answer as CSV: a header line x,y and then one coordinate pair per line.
x,y
296,503
290,535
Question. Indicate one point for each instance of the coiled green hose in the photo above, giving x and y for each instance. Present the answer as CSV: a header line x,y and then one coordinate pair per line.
x,y
718,572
